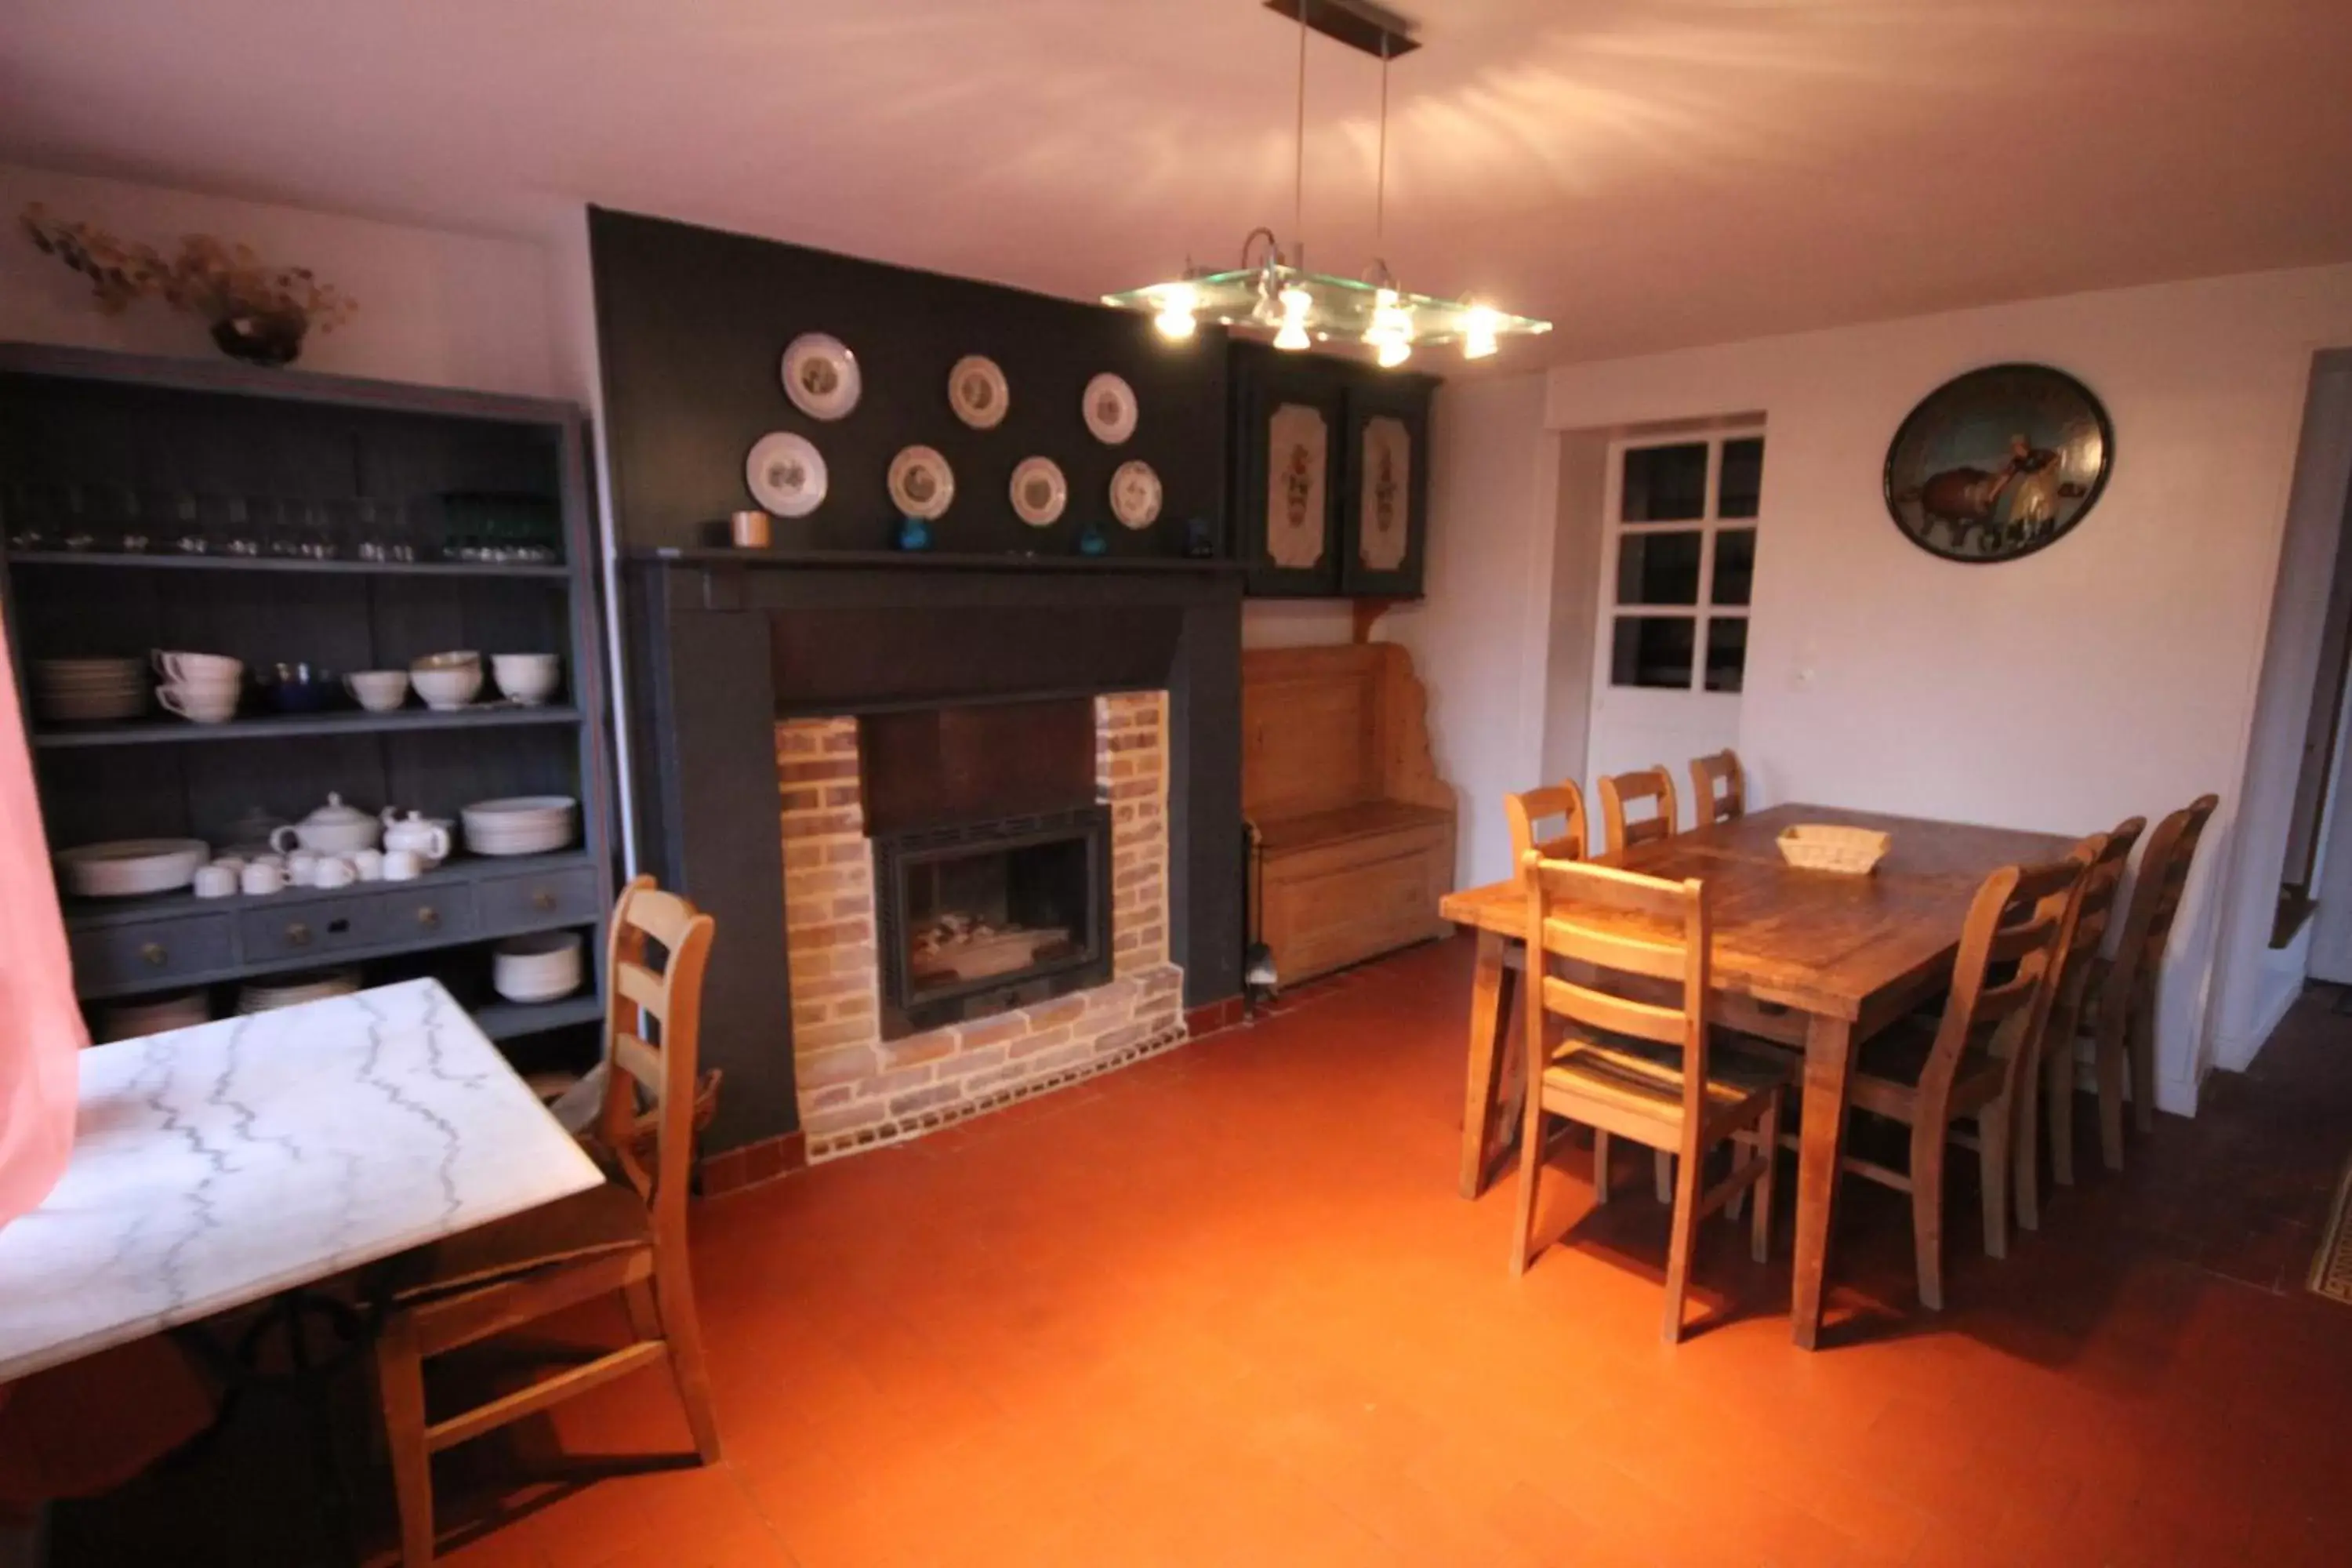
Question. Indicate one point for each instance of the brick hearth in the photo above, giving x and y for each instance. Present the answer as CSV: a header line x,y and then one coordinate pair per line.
x,y
858,1091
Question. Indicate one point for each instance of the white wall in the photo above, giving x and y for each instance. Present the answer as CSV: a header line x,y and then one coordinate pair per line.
x,y
441,309
2114,673
1480,640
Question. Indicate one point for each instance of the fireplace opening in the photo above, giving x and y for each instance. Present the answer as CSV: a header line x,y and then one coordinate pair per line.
x,y
977,918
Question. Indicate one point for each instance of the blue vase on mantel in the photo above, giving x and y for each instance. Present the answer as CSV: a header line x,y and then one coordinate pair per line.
x,y
914,533
1092,542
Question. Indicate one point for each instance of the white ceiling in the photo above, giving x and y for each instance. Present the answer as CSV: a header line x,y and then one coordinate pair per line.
x,y
1647,173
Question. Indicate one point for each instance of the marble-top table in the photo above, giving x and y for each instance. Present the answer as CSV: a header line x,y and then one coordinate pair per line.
x,y
216,1165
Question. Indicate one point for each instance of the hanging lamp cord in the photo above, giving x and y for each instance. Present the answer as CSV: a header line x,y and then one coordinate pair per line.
x,y
1381,177
1299,155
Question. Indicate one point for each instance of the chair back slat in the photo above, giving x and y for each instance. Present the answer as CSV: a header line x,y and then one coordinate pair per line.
x,y
1651,787
2021,920
1617,1014
1621,923
641,986
1532,814
1718,788
2157,893
641,1062
662,1061
1653,956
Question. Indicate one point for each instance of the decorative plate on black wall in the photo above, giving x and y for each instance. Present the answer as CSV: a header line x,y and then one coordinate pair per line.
x,y
1998,463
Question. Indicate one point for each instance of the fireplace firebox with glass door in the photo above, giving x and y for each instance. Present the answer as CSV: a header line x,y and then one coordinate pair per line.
x,y
992,859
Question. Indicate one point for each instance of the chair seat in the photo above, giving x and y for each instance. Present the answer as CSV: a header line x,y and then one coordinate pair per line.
x,y
1886,1074
602,1220
1647,1079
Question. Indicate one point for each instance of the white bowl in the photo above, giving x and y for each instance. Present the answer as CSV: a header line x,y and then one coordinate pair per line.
x,y
520,824
447,685
456,658
127,868
378,690
528,678
537,968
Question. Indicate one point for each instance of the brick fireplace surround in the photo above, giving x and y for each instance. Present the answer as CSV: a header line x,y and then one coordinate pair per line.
x,y
858,1091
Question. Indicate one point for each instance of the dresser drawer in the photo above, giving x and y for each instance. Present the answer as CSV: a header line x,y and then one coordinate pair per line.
x,y
567,896
380,917
428,912
130,957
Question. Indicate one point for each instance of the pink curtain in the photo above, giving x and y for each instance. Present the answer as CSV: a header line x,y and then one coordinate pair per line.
x,y
40,1028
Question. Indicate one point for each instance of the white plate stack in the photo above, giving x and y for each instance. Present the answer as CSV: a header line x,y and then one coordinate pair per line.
x,y
292,990
89,690
152,1016
539,968
520,824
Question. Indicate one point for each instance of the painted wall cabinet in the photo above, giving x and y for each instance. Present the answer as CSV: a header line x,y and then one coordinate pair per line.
x,y
1330,475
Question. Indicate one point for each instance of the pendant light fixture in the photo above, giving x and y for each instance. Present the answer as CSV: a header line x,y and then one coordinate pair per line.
x,y
1272,290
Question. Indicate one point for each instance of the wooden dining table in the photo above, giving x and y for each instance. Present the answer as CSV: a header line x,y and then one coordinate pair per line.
x,y
1814,960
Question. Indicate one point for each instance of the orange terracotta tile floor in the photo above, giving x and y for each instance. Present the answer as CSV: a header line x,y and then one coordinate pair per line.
x,y
1225,1308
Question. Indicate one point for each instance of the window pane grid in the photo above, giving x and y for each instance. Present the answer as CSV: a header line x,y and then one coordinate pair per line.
x,y
1678,622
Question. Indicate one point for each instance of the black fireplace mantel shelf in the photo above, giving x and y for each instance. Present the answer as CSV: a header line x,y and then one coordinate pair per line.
x,y
930,561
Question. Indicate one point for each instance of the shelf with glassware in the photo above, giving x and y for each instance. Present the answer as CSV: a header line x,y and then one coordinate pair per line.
x,y
1330,475
417,630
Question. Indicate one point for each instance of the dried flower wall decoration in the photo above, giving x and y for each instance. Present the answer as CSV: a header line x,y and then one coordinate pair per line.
x,y
258,314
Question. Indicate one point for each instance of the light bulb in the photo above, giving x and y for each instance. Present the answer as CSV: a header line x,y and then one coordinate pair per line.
x,y
1295,303
1176,306
1394,352
1478,334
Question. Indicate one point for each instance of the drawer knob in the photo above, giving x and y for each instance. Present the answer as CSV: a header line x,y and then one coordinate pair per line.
x,y
298,934
428,916
543,899
153,953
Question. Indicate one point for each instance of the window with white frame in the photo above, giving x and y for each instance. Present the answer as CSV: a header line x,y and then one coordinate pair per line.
x,y
1683,526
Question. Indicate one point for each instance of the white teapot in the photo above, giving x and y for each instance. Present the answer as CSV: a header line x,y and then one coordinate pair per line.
x,y
423,837
334,828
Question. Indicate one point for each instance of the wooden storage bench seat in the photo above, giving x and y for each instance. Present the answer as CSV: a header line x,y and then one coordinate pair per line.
x,y
1354,830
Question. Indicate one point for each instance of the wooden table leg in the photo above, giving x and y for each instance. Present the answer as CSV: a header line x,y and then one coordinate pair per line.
x,y
1490,1017
1828,1063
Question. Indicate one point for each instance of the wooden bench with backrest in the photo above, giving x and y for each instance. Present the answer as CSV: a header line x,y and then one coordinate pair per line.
x,y
1354,830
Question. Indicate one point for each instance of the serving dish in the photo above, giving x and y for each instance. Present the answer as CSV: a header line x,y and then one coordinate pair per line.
x,y
1039,492
128,868
786,473
821,377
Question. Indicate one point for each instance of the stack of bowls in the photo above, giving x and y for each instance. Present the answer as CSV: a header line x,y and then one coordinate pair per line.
x,y
538,968
204,688
521,824
89,690
292,990
446,679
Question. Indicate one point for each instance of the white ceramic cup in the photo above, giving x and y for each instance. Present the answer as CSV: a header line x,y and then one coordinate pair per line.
x,y
199,705
401,866
196,667
529,679
378,690
215,881
271,859
368,864
261,876
302,868
232,864
334,871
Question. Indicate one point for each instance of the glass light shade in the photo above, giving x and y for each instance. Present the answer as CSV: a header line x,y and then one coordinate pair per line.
x,y
1334,308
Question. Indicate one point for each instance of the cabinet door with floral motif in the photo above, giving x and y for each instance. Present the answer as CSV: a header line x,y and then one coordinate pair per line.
x,y
1287,471
1384,495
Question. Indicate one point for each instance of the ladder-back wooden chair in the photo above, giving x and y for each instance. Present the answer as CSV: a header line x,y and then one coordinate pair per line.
x,y
1966,1066
2123,1000
1652,786
1532,814
2095,912
1718,788
627,1236
1633,1069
